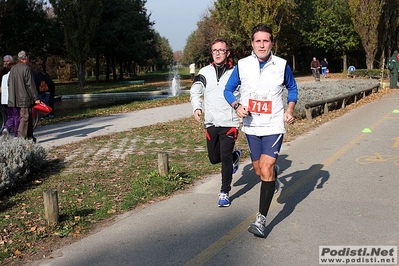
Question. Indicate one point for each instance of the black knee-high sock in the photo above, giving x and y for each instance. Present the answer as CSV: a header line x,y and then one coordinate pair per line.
x,y
266,196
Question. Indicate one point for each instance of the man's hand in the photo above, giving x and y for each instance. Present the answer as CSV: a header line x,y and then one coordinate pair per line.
x,y
242,111
289,114
197,115
289,117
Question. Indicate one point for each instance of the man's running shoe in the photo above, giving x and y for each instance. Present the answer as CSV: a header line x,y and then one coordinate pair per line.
x,y
236,157
278,183
258,227
224,200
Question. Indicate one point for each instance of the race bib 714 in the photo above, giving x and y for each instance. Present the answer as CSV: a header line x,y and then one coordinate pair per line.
x,y
260,106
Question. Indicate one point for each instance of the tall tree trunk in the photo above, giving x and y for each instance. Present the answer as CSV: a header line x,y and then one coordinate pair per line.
x,y
120,71
344,61
107,68
97,68
369,60
81,74
113,70
293,63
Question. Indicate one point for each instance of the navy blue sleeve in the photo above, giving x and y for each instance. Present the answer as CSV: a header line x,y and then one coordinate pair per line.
x,y
231,86
291,85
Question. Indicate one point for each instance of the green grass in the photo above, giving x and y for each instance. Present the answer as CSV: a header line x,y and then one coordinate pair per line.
x,y
104,176
101,177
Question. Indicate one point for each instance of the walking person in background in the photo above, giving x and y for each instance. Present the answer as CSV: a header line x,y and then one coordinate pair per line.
x,y
393,66
315,67
261,78
324,65
23,94
51,86
13,116
192,71
220,122
44,89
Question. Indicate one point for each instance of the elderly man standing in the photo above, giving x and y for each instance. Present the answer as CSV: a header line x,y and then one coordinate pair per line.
x,y
23,94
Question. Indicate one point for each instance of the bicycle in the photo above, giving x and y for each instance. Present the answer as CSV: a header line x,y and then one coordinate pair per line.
x,y
3,117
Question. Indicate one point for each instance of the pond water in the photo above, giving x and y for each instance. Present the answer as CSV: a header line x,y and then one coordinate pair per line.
x,y
70,102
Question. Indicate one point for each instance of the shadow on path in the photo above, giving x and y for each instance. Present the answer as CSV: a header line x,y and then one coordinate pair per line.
x,y
297,186
249,179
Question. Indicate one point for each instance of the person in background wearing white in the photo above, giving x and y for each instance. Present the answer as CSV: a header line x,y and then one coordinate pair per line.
x,y
192,71
12,122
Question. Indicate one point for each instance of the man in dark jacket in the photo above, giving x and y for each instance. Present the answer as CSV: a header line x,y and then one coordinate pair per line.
x,y
315,67
393,68
23,94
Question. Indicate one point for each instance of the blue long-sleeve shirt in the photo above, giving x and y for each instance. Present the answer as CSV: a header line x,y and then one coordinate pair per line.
x,y
234,82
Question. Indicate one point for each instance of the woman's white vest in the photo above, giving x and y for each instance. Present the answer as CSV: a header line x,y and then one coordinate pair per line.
x,y
263,84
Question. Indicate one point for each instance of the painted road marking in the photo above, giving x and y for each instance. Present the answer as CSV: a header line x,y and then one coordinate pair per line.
x,y
396,144
233,234
377,158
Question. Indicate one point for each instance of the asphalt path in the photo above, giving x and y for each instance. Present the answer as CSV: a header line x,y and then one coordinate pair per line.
x,y
340,188
64,133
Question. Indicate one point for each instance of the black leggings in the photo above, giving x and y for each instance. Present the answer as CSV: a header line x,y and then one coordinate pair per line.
x,y
220,143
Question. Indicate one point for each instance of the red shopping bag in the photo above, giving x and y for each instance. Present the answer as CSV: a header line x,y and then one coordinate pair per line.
x,y
42,108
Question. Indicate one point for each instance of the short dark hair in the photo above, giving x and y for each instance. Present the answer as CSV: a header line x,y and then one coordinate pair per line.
x,y
264,28
221,40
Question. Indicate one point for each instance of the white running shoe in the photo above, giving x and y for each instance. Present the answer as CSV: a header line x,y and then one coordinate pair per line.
x,y
258,227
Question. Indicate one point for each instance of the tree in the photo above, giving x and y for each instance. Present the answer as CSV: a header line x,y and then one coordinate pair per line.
x,y
161,54
124,35
332,28
237,18
50,39
15,15
388,28
366,17
79,19
227,16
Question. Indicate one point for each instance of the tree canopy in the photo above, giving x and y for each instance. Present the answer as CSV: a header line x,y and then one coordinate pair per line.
x,y
117,37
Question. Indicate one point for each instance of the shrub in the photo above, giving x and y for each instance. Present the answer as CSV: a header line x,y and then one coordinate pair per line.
x,y
18,158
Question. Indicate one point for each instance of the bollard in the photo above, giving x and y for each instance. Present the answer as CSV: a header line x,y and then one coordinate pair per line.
x,y
51,211
163,164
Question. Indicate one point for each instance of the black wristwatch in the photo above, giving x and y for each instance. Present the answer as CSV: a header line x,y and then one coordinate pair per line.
x,y
236,106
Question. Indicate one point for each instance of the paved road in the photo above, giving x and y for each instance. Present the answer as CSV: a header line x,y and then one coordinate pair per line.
x,y
328,198
64,133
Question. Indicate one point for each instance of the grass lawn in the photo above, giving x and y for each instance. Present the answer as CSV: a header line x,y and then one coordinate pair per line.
x,y
101,177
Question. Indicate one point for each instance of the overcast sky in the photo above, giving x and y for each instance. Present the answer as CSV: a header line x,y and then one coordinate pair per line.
x,y
175,20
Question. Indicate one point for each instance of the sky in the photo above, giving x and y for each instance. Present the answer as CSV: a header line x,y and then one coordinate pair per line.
x,y
175,20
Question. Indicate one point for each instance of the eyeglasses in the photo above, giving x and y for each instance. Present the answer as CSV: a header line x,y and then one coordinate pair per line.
x,y
220,51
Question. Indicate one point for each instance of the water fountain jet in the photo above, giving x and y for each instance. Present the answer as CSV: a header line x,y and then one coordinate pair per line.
x,y
174,86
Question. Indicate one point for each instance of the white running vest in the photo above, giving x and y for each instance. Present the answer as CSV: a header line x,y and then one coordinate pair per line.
x,y
261,91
